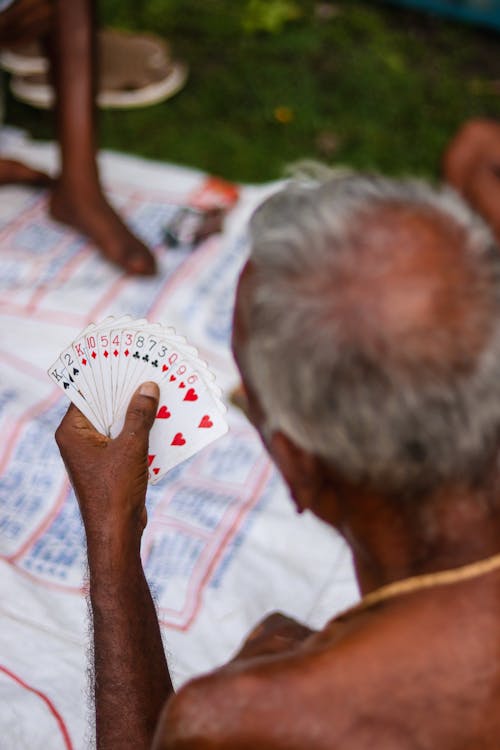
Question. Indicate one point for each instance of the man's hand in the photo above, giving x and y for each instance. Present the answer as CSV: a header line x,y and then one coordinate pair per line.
x,y
276,634
471,164
110,476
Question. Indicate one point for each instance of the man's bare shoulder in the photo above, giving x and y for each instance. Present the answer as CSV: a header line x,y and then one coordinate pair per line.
x,y
260,703
367,681
310,697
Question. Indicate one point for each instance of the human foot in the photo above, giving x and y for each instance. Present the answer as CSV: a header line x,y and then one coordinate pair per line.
x,y
92,215
14,172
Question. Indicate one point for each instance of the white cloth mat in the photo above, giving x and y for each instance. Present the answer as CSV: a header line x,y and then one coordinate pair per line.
x,y
223,546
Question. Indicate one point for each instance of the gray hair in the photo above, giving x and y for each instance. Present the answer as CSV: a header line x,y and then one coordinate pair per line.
x,y
399,418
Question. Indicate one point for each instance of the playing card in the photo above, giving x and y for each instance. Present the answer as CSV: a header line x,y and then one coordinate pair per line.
x,y
120,367
59,374
84,360
189,417
136,365
103,367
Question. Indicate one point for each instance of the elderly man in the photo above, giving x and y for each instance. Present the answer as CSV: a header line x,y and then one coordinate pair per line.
x,y
368,337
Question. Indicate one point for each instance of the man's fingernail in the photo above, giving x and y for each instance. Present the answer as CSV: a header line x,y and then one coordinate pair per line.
x,y
149,389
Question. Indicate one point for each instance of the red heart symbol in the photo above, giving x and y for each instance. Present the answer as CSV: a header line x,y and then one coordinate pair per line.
x,y
182,384
206,421
163,413
164,368
150,460
178,439
172,377
156,471
191,395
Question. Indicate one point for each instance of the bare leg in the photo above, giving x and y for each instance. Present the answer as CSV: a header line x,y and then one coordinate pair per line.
x,y
20,23
77,198
14,172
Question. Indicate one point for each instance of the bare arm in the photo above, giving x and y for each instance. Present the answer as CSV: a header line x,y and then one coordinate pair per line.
x,y
131,676
471,164
132,681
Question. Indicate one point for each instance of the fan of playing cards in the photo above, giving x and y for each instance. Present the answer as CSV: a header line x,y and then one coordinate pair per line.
x,y
104,366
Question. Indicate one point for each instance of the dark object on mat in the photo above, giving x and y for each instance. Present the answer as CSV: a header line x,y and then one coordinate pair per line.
x,y
189,225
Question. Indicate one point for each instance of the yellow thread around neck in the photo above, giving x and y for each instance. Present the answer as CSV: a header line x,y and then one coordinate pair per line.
x,y
427,581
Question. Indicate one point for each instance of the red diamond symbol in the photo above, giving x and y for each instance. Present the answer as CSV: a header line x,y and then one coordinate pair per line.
x,y
115,352
126,352
106,354
84,361
94,355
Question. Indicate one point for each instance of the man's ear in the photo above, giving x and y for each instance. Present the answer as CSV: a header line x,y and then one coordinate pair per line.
x,y
302,471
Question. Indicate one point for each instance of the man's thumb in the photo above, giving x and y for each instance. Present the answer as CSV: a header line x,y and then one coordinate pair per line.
x,y
142,410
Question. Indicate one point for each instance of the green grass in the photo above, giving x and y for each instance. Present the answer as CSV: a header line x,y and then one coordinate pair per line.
x,y
373,86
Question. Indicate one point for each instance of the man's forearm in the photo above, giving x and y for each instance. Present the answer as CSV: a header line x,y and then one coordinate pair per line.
x,y
132,681
110,478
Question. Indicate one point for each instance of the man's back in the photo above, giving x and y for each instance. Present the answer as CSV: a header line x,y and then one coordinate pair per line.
x,y
418,672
